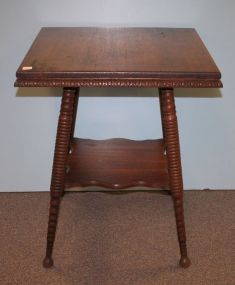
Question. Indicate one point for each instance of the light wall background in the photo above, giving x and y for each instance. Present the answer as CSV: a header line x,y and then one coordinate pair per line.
x,y
28,117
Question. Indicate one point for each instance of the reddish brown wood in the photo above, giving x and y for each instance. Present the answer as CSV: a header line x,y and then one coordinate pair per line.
x,y
117,164
164,58
75,107
161,111
122,82
145,57
59,167
169,120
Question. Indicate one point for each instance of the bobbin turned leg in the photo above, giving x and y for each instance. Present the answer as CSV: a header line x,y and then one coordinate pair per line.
x,y
171,138
161,110
64,129
75,106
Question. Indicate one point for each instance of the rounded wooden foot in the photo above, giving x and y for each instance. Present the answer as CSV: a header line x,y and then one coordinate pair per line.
x,y
185,262
47,262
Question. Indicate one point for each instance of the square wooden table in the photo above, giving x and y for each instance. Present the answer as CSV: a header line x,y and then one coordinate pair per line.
x,y
163,58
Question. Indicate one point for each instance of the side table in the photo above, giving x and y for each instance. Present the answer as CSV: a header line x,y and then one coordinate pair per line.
x,y
163,58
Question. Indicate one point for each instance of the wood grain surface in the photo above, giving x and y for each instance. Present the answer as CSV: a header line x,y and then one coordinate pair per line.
x,y
161,53
117,164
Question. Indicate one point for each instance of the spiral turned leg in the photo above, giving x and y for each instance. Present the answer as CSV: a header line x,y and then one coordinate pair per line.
x,y
64,129
171,137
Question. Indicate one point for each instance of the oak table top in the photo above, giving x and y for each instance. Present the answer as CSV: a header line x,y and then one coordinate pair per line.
x,y
132,57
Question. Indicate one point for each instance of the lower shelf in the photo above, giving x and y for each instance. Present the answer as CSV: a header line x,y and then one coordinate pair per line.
x,y
117,164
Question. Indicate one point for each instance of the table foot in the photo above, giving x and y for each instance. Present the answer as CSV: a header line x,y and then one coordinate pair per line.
x,y
185,262
48,262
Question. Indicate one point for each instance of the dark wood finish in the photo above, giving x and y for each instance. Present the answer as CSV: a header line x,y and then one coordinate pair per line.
x,y
161,111
117,164
75,113
59,167
144,57
170,126
164,58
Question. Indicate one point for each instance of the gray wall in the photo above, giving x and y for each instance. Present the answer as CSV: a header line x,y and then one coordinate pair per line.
x,y
28,123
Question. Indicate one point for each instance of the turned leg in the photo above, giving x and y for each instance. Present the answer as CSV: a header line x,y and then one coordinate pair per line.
x,y
65,124
171,137
160,102
75,106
